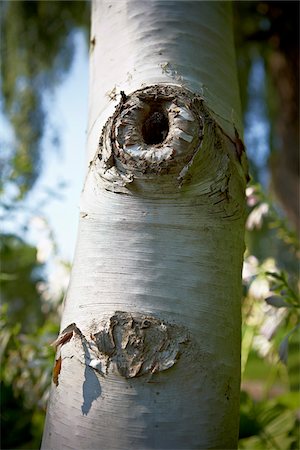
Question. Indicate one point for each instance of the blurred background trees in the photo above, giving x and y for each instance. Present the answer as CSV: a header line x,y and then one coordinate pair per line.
x,y
37,49
267,44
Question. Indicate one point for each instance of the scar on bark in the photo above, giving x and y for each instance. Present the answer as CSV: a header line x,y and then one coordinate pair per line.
x,y
132,344
138,344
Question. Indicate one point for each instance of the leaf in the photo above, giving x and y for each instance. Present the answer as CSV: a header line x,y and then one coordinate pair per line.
x,y
290,400
276,275
277,302
5,337
283,348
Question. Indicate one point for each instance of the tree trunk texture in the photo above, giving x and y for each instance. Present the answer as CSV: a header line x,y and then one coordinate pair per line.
x,y
149,352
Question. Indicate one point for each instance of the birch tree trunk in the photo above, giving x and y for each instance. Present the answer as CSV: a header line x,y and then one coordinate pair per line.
x,y
149,352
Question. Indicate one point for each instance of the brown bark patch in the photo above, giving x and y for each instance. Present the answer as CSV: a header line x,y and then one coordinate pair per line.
x,y
138,344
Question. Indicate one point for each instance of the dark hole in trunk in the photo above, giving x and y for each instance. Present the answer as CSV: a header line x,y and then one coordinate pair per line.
x,y
155,127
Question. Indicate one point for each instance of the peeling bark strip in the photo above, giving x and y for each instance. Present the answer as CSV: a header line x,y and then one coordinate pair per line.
x,y
137,344
56,371
66,335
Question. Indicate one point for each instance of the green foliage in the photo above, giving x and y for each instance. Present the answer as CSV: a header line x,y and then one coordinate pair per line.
x,y
19,423
270,341
270,424
20,273
36,52
25,381
263,205
28,324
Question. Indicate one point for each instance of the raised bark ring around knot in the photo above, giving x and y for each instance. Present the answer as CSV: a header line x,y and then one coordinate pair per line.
x,y
156,128
154,131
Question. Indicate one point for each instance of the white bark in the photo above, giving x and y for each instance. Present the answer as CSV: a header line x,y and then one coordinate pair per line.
x,y
137,43
153,361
